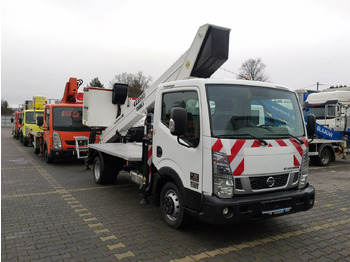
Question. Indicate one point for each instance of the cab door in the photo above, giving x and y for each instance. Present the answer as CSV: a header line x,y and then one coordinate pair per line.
x,y
47,129
181,157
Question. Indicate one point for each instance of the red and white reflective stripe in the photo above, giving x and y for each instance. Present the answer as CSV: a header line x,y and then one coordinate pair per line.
x,y
235,159
235,156
149,159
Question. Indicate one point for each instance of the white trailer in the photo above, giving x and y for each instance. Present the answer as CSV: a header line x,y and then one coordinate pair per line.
x,y
212,149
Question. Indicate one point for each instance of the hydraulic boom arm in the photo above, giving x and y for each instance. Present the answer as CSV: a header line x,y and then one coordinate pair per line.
x,y
71,90
207,53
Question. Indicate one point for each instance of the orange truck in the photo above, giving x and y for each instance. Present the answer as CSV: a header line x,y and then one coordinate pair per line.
x,y
64,134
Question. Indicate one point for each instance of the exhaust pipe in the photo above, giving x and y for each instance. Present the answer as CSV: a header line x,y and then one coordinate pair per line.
x,y
136,177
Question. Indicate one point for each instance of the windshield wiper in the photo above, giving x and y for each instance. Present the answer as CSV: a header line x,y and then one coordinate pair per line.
x,y
249,135
288,135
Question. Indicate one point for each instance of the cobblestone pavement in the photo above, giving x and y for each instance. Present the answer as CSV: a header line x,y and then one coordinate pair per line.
x,y
55,212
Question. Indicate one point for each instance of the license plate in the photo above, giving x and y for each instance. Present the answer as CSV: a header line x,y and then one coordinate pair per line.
x,y
276,207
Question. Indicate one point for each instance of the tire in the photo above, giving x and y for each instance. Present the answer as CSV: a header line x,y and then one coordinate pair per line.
x,y
36,146
102,174
36,150
325,157
48,158
25,141
172,205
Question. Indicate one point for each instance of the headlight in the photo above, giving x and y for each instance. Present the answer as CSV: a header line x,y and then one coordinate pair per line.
x,y
56,140
223,178
304,169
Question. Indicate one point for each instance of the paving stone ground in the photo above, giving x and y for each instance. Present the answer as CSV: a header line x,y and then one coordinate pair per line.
x,y
55,212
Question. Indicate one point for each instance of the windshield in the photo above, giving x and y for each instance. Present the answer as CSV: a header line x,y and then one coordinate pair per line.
x,y
31,118
253,112
68,119
320,111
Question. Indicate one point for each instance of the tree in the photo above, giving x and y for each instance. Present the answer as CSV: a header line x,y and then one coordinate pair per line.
x,y
137,82
5,109
96,83
253,69
341,86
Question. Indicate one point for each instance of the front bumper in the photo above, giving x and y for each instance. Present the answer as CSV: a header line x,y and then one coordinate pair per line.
x,y
243,208
63,153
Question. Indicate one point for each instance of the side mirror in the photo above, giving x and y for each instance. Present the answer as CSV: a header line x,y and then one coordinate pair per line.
x,y
20,120
178,120
40,120
311,125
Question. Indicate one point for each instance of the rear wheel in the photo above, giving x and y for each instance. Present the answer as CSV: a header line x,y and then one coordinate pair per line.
x,y
25,141
103,172
36,146
171,204
325,157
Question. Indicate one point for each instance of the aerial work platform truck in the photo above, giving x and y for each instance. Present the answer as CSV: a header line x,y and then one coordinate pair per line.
x,y
215,150
32,110
63,133
332,111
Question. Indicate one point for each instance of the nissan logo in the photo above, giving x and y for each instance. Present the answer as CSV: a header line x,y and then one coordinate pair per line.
x,y
270,181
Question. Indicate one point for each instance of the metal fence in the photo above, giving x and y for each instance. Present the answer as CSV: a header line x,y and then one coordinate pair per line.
x,y
5,121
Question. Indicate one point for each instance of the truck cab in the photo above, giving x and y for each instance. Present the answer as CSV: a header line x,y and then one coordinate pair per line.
x,y
332,109
332,112
61,123
33,109
243,151
29,124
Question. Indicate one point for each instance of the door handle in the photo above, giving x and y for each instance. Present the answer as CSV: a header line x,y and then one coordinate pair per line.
x,y
159,151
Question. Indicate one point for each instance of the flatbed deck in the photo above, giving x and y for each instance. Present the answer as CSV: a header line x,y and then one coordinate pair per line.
x,y
127,151
36,133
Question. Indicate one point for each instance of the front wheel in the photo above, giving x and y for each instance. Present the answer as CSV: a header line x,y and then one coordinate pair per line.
x,y
171,204
48,158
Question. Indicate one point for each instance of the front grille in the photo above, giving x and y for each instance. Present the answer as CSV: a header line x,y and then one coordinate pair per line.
x,y
295,179
262,182
70,142
238,183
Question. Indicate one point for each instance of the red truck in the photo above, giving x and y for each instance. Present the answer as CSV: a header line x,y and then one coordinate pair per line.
x,y
16,121
64,134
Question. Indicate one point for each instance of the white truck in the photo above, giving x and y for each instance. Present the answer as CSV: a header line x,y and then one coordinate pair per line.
x,y
332,111
212,149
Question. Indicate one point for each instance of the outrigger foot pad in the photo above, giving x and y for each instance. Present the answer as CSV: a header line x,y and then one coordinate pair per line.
x,y
144,202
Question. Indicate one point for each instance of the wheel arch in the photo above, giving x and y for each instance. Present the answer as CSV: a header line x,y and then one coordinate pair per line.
x,y
163,176
330,148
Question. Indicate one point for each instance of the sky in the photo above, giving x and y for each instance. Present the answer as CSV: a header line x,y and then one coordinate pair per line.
x,y
45,42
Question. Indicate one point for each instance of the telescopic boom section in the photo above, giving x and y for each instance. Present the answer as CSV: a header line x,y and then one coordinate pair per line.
x,y
209,50
70,91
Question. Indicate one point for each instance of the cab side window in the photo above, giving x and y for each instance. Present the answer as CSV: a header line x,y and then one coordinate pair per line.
x,y
189,101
